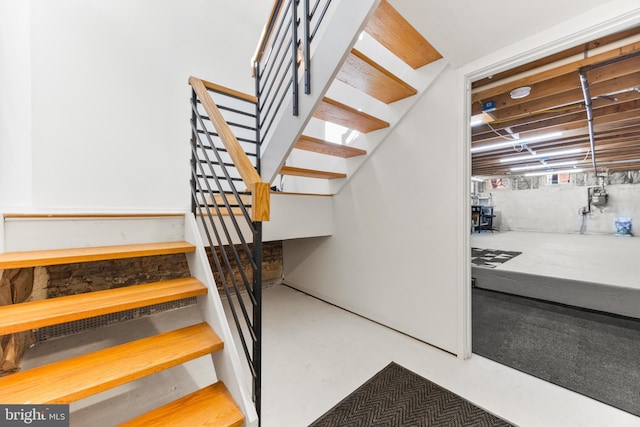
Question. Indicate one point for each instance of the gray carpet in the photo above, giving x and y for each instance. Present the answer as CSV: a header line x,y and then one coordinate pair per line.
x,y
397,397
589,352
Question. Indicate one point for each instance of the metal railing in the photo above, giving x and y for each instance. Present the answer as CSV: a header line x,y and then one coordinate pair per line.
x,y
285,47
228,198
226,136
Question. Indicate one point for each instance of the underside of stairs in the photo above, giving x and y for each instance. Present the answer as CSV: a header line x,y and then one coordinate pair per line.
x,y
358,120
85,375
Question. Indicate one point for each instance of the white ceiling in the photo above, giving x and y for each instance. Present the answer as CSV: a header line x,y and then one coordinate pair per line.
x,y
465,30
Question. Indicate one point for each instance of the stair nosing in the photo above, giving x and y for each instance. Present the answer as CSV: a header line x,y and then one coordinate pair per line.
x,y
172,412
380,124
31,315
367,77
88,254
308,173
344,151
82,376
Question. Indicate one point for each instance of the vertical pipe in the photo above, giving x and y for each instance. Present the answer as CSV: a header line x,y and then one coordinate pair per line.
x,y
588,106
307,47
294,54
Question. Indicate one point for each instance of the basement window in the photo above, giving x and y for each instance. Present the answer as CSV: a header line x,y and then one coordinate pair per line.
x,y
559,178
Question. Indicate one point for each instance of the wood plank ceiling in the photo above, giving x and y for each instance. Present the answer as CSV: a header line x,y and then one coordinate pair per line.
x,y
556,105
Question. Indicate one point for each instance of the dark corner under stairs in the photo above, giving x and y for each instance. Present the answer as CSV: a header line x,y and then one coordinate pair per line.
x,y
396,34
70,380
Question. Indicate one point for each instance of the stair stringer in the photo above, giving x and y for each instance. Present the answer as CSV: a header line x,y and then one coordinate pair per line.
x,y
69,230
228,366
339,33
421,79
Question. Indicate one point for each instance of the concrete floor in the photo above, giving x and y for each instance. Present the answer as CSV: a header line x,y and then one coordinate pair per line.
x,y
605,259
315,354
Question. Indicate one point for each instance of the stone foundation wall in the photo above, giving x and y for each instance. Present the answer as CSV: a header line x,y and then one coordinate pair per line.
x,y
271,264
30,284
78,278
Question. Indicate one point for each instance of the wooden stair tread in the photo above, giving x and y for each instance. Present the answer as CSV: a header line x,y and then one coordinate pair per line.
x,y
335,112
321,146
37,314
224,211
73,379
209,406
395,33
362,73
231,199
100,253
310,173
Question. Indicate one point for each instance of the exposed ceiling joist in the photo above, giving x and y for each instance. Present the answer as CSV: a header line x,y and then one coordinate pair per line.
x,y
556,104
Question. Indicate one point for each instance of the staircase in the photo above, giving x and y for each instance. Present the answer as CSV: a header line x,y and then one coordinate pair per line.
x,y
365,93
221,403
361,128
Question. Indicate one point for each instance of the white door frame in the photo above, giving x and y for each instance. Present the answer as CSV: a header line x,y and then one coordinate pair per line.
x,y
609,18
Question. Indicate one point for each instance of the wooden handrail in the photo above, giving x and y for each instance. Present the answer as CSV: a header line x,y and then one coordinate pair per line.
x,y
228,91
263,37
259,189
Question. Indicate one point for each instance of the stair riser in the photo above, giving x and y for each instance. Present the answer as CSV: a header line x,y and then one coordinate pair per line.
x,y
340,33
30,234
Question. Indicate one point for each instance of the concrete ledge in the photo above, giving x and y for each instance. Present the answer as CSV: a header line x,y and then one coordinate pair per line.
x,y
591,295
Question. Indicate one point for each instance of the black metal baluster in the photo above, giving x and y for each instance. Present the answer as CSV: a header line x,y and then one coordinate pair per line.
x,y
307,47
294,54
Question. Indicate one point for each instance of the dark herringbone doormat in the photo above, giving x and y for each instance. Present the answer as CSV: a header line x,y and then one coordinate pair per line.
x,y
397,397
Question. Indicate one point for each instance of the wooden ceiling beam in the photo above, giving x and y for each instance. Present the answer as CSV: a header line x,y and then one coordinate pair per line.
x,y
596,103
569,97
554,72
613,143
604,153
579,117
576,50
564,83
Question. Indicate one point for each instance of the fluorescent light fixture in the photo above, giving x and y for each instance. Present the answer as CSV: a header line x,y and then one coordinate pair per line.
x,y
561,171
542,166
494,146
476,120
525,140
617,162
480,119
474,179
536,138
541,155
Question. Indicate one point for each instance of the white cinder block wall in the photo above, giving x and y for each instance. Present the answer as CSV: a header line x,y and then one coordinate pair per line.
x,y
555,208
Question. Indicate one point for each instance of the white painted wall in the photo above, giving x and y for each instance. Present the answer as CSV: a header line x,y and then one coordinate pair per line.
x,y
15,103
399,253
392,255
109,118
